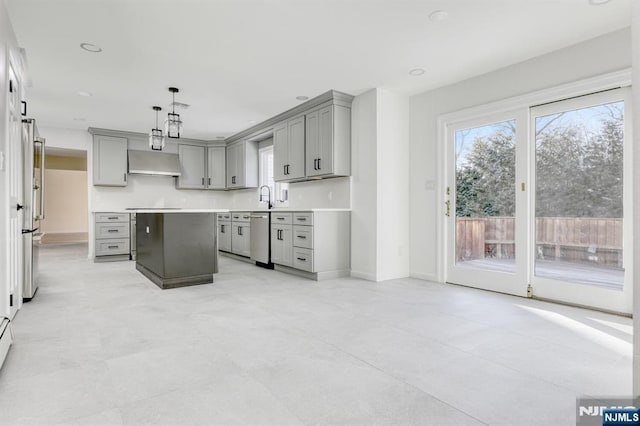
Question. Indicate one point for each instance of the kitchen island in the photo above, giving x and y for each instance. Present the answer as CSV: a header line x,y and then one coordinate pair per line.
x,y
177,248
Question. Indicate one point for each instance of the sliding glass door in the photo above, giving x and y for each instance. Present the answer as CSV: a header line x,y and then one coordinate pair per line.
x,y
539,199
581,239
486,237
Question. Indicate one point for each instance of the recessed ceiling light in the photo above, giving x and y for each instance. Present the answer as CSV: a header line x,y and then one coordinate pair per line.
x,y
598,2
91,47
85,93
438,15
302,98
79,119
416,71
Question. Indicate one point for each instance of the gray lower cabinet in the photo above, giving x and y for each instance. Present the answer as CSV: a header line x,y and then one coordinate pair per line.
x,y
241,233
192,167
112,236
109,161
282,244
317,243
224,232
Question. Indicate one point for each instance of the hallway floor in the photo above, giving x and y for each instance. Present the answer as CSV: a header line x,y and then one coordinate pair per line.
x,y
100,344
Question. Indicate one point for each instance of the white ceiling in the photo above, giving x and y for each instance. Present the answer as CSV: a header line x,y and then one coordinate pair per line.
x,y
241,60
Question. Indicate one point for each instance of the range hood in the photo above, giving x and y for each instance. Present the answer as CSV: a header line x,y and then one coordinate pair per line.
x,y
153,163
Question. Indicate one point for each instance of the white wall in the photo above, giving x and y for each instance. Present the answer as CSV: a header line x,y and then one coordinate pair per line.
x,y
380,186
364,134
325,193
604,54
393,185
66,202
635,89
65,138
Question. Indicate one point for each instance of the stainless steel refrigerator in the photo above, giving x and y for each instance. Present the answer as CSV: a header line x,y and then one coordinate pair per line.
x,y
34,187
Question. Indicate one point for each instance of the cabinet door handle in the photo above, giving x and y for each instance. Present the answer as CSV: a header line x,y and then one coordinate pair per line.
x,y
284,170
239,230
319,168
202,181
222,229
209,181
302,259
125,177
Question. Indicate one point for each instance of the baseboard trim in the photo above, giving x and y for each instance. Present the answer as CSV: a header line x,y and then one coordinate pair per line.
x,y
364,275
425,277
64,237
6,339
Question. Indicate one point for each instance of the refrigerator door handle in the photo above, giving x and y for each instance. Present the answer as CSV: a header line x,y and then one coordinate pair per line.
x,y
41,141
29,231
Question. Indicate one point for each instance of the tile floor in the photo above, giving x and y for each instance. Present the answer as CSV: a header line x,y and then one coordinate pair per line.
x,y
102,345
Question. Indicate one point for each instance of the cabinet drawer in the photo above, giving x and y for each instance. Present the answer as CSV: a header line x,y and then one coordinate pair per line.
x,y
112,217
303,218
241,217
224,216
303,259
303,236
109,247
112,230
281,218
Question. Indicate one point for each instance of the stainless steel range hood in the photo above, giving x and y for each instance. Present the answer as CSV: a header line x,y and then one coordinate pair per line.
x,y
153,163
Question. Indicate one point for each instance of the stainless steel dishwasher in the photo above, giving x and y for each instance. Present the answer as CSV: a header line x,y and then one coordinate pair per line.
x,y
261,239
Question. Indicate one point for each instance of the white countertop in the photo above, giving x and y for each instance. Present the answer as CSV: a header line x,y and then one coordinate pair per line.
x,y
170,210
160,210
287,209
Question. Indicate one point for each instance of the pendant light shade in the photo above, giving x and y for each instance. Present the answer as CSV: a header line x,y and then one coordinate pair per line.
x,y
173,124
156,138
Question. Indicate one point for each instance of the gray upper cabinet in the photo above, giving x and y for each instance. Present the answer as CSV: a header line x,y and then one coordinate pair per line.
x,y
109,161
288,150
192,167
280,151
328,141
242,165
216,167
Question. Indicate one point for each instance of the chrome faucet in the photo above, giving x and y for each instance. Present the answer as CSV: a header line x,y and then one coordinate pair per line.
x,y
268,195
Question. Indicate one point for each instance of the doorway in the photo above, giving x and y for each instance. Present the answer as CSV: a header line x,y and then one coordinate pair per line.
x,y
536,200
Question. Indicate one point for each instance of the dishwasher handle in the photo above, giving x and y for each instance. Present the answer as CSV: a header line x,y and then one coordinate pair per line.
x,y
259,216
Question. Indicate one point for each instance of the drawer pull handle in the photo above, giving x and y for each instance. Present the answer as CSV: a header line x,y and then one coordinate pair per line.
x,y
302,236
113,218
302,218
302,259
280,218
112,230
113,247
245,217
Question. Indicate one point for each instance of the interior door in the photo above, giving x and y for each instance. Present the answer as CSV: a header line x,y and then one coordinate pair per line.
x,y
582,229
15,252
486,203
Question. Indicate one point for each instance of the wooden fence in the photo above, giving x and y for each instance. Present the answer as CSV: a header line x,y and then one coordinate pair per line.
x,y
588,240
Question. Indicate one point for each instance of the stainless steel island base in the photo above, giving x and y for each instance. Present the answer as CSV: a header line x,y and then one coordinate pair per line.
x,y
176,249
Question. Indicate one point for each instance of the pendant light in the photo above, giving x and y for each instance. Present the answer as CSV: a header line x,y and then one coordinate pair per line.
x,y
156,139
173,124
